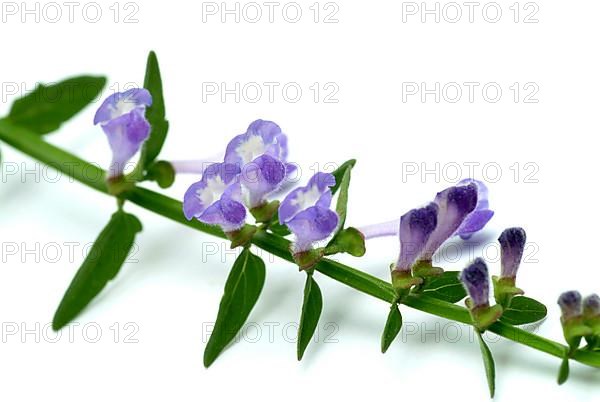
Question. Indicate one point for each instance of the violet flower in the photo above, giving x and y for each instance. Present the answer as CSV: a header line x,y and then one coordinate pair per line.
x,y
570,304
122,117
457,214
475,279
512,243
415,228
217,198
261,153
307,214
462,210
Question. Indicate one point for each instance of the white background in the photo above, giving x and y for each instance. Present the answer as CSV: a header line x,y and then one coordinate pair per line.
x,y
171,288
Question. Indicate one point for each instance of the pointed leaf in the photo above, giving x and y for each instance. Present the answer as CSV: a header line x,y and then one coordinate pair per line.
x,y
100,266
339,174
243,286
155,113
311,311
488,363
392,328
445,287
48,106
524,310
563,372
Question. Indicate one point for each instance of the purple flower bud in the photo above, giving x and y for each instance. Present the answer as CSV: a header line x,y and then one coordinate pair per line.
x,y
415,228
570,304
454,205
122,117
475,279
512,243
261,153
591,306
217,198
306,212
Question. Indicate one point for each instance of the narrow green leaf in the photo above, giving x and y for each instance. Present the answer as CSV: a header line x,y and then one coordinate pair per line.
x,y
48,106
339,174
341,206
100,266
155,113
445,287
242,289
392,328
563,372
488,363
524,310
311,311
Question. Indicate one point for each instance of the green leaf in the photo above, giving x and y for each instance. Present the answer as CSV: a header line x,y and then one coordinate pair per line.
x,y
445,287
311,311
155,113
339,174
524,310
242,289
100,266
563,372
48,106
488,363
341,206
350,241
392,328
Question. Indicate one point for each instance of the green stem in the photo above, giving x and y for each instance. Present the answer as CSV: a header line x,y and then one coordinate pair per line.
x,y
94,177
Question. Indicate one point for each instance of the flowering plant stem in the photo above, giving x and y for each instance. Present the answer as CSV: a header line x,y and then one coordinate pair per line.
x,y
91,175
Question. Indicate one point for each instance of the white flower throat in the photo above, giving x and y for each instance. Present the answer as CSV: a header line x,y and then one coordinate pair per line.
x,y
251,148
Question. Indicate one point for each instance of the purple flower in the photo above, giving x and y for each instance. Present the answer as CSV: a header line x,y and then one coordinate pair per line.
x,y
591,306
415,228
306,212
217,198
570,304
260,177
261,153
512,244
475,279
122,117
480,216
454,206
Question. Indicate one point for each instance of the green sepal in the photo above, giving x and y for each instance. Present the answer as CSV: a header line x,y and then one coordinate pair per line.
x,y
425,269
484,316
266,212
350,241
574,329
241,237
505,290
119,185
403,281
392,328
309,258
162,172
